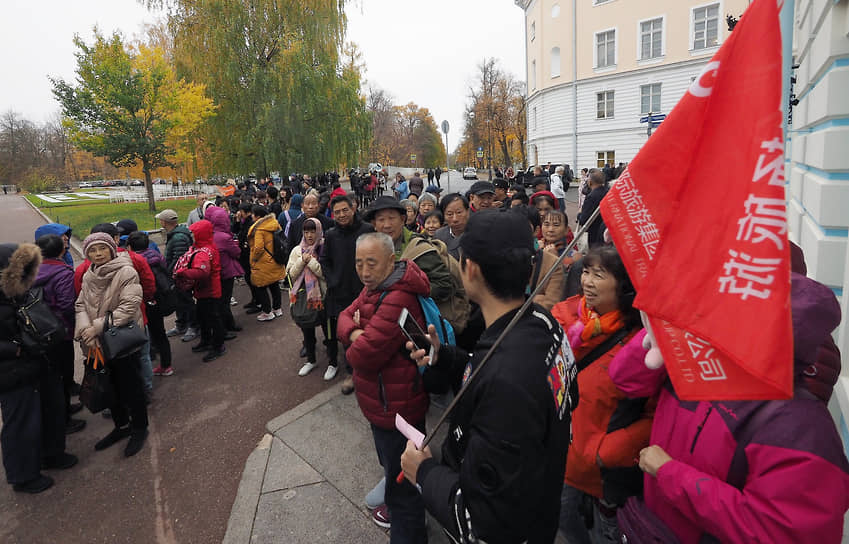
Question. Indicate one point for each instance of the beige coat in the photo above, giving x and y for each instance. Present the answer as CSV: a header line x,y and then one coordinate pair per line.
x,y
552,293
111,287
296,266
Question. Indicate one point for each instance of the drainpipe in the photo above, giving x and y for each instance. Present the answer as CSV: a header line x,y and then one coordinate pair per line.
x,y
575,165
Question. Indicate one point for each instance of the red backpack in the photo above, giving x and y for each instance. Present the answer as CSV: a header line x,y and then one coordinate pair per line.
x,y
185,262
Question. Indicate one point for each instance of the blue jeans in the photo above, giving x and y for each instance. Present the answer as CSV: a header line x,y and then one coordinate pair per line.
x,y
146,366
406,507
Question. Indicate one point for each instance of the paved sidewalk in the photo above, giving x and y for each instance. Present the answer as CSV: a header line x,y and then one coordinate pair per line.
x,y
307,479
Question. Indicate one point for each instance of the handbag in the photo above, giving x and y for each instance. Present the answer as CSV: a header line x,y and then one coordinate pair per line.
x,y
302,314
121,341
96,390
640,525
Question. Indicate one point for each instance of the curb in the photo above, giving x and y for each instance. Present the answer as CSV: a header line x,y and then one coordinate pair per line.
x,y
75,244
243,512
242,515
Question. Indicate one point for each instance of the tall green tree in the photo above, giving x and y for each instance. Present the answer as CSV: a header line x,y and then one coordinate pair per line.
x,y
127,105
276,68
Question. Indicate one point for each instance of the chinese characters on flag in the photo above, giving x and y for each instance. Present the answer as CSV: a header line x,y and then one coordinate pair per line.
x,y
699,217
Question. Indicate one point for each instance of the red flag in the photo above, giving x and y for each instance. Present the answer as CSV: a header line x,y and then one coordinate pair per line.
x,y
699,217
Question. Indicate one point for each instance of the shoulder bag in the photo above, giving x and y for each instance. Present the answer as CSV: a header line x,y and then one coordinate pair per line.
x,y
121,341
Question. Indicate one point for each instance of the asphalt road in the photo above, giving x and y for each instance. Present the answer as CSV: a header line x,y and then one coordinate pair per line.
x,y
204,422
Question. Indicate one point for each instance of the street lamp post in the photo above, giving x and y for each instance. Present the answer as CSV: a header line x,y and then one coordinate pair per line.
x,y
489,147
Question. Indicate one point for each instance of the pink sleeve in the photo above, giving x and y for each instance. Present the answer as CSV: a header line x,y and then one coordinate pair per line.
x,y
790,496
629,372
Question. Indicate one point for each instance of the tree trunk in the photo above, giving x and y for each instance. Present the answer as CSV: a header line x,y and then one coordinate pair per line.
x,y
148,185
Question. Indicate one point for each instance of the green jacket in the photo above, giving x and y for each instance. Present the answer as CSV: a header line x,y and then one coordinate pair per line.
x,y
441,283
178,242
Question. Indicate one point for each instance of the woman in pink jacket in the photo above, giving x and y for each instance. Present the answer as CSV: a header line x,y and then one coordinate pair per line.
x,y
741,471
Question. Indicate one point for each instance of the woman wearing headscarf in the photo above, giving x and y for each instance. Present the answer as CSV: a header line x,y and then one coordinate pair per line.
x,y
111,285
305,273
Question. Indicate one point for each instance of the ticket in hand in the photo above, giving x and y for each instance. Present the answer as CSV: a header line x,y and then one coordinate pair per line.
x,y
409,431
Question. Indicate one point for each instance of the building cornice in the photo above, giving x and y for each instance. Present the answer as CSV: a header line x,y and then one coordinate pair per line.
x,y
523,3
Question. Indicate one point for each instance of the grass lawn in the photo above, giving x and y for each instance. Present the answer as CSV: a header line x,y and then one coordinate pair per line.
x,y
82,216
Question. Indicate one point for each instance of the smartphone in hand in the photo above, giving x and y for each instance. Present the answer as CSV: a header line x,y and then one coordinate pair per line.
x,y
414,332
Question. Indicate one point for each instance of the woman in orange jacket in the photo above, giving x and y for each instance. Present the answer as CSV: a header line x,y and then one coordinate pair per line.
x,y
608,429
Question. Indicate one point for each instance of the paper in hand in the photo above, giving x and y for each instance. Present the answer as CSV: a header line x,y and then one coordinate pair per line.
x,y
409,431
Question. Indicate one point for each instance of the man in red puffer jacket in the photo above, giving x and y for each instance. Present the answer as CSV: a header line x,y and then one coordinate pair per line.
x,y
205,273
386,380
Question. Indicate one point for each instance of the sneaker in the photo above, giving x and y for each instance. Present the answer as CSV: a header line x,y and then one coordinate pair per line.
x,y
265,316
176,331
74,426
214,354
348,386
199,348
117,434
278,313
59,462
253,310
36,485
306,369
190,335
230,335
235,328
159,371
374,498
330,373
136,442
251,304
380,516
233,301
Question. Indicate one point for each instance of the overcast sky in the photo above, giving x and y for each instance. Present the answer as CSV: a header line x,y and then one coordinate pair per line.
x,y
423,51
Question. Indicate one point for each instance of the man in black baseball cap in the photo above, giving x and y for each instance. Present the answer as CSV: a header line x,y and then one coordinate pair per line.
x,y
509,432
481,195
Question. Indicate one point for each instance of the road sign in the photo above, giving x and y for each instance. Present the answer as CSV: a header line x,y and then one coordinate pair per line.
x,y
480,154
413,157
655,118
480,150
445,127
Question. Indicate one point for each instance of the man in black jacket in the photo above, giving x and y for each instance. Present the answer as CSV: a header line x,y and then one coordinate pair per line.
x,y
598,188
178,240
503,460
338,265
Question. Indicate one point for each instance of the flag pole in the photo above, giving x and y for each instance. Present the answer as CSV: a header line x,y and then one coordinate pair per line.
x,y
510,326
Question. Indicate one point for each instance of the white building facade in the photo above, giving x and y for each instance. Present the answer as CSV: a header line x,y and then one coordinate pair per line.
x,y
818,163
596,67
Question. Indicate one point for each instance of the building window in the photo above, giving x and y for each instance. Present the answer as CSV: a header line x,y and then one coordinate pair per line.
x,y
534,118
706,27
651,39
650,98
605,45
604,101
555,62
533,30
533,75
604,157
555,11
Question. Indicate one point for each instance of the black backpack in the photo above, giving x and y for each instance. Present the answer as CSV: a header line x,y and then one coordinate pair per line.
x,y
166,291
40,327
281,247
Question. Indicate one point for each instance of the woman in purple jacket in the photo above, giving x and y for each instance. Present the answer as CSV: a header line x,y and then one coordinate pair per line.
x,y
741,471
56,278
229,250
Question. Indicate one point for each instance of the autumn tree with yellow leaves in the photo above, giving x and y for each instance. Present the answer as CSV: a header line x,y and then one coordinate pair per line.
x,y
128,106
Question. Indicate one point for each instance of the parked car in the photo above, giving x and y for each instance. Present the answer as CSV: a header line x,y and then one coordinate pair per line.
x,y
136,183
470,173
85,185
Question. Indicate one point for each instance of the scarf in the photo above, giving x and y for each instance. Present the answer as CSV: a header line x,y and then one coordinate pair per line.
x,y
306,278
591,329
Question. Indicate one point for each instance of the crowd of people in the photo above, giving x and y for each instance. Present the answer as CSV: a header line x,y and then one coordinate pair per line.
x,y
562,429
